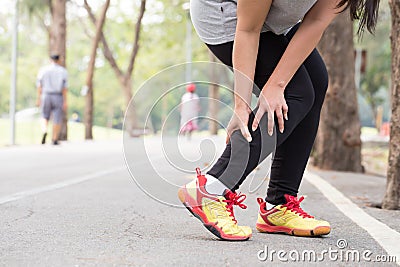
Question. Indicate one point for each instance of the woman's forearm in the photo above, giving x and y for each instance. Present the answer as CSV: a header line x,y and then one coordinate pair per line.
x,y
300,47
304,41
245,52
251,16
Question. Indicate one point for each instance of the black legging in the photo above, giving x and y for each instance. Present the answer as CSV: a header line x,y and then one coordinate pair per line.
x,y
304,95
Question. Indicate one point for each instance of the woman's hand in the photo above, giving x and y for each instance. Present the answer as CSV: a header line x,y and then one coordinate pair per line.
x,y
272,101
238,121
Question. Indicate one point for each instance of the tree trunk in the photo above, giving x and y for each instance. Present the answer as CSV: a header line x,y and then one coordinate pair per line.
x,y
125,78
213,96
90,73
339,145
130,115
58,44
391,199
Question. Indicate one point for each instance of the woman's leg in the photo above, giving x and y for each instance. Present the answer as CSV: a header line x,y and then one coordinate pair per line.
x,y
291,156
241,157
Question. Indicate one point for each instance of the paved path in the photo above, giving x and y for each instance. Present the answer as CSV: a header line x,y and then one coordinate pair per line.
x,y
76,205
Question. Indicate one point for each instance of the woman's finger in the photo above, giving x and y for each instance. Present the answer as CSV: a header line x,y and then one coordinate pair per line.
x,y
227,138
228,135
246,133
257,119
242,122
270,122
285,109
279,115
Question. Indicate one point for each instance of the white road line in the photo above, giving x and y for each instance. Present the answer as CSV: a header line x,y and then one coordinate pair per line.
x,y
387,237
56,186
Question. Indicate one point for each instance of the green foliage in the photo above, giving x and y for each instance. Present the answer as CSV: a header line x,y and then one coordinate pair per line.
x,y
374,81
32,54
29,132
374,89
34,7
162,44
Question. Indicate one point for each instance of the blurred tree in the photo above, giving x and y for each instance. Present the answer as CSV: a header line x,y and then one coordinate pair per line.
x,y
39,9
88,118
338,145
162,46
392,196
58,43
58,28
371,85
125,78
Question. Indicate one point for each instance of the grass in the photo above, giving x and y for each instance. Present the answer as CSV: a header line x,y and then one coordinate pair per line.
x,y
375,159
374,156
369,131
28,132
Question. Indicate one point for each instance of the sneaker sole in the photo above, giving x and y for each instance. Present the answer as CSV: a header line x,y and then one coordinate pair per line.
x,y
212,227
317,231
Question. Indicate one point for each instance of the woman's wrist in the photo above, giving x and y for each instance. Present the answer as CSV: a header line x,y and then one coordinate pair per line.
x,y
240,104
276,85
242,108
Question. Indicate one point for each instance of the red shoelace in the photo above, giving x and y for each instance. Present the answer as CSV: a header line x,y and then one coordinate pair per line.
x,y
234,199
293,205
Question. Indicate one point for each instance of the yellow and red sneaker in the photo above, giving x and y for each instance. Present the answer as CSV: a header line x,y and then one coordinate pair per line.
x,y
214,211
289,218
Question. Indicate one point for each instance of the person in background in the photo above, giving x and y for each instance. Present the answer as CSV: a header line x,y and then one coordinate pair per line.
x,y
189,108
52,85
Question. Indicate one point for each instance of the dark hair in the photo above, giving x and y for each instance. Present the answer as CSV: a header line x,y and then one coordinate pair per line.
x,y
55,57
364,10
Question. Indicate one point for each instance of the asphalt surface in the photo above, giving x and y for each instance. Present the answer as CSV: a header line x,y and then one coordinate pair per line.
x,y
97,215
